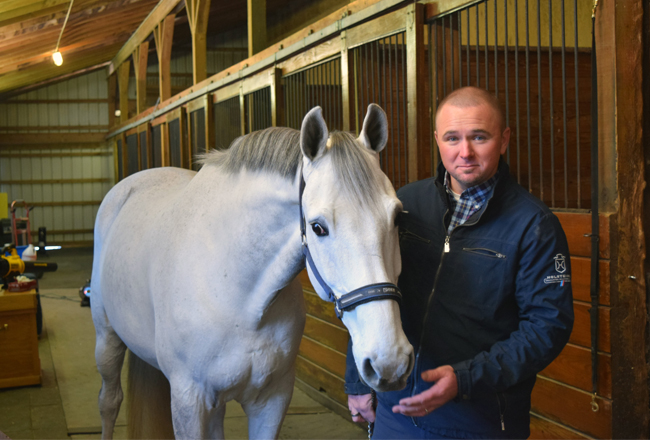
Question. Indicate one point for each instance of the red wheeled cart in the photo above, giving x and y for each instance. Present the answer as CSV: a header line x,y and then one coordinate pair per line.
x,y
25,229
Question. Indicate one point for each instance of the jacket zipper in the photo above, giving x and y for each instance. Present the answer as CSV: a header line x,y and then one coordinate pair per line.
x,y
426,314
502,409
485,252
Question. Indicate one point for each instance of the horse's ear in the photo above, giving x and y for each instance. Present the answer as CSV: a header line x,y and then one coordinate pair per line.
x,y
313,134
374,133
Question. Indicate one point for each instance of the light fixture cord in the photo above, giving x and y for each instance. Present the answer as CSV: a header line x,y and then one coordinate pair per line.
x,y
64,23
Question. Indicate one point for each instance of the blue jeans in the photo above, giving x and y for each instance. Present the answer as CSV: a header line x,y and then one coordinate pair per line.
x,y
389,425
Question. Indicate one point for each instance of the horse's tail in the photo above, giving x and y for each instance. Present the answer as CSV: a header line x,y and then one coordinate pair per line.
x,y
148,402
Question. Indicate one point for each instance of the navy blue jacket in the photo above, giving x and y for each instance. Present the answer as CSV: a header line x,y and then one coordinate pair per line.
x,y
497,306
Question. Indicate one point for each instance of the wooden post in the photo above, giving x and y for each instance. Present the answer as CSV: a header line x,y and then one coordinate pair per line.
x,y
418,113
277,98
242,110
123,82
140,56
347,86
198,12
112,96
621,80
164,144
164,35
208,111
256,26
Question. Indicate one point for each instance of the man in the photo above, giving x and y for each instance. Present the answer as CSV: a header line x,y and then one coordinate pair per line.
x,y
487,300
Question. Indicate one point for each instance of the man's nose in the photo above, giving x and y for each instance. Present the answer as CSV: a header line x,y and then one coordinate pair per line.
x,y
466,150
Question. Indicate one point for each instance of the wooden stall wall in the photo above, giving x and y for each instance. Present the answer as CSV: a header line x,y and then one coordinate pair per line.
x,y
54,156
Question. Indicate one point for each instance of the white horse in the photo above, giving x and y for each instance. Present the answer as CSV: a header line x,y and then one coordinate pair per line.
x,y
196,272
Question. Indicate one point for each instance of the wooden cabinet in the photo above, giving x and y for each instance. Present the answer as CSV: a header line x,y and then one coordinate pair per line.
x,y
19,361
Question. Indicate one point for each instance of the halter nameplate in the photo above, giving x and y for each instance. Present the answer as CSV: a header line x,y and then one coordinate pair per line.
x,y
362,295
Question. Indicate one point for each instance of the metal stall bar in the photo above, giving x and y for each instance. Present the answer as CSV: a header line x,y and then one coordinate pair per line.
x,y
566,158
530,153
539,100
517,91
406,163
550,76
485,47
577,119
496,49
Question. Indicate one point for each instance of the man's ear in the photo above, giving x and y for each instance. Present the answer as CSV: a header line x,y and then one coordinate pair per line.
x,y
505,140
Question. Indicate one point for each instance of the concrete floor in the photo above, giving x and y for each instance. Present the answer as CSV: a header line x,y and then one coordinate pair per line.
x,y
64,406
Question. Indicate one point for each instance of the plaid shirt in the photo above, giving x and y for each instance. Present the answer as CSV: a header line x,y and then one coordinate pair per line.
x,y
471,200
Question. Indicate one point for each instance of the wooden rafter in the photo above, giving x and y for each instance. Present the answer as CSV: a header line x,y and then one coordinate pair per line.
x,y
198,12
140,56
164,34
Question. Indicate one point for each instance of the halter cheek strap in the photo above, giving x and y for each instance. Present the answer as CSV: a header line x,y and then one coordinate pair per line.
x,y
348,301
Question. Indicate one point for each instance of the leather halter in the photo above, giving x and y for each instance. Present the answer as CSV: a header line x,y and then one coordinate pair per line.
x,y
348,301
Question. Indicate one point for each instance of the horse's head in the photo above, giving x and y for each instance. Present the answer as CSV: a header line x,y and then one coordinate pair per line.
x,y
350,210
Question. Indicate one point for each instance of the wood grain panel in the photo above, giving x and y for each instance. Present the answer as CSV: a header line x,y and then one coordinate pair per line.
x,y
581,279
323,356
581,334
321,380
576,225
545,429
321,309
572,407
573,367
327,334
381,27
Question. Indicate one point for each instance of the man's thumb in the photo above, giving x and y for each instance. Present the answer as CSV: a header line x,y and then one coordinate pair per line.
x,y
432,375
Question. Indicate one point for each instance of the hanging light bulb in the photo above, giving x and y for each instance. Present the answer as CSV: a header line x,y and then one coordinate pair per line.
x,y
57,58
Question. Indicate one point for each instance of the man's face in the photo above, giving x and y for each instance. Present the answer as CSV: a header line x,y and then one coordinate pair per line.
x,y
470,142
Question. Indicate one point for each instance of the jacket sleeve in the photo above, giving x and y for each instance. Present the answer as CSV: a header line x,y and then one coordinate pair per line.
x,y
544,298
353,382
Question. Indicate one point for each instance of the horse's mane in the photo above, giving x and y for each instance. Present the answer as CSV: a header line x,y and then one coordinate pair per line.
x,y
277,150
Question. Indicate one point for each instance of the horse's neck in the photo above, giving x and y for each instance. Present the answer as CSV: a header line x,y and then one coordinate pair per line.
x,y
260,215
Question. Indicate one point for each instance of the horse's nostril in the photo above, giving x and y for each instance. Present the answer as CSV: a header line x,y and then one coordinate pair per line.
x,y
369,371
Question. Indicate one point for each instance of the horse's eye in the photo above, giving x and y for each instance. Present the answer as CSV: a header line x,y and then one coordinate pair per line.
x,y
319,230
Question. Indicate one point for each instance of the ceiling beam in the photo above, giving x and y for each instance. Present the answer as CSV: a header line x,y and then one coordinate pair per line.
x,y
158,14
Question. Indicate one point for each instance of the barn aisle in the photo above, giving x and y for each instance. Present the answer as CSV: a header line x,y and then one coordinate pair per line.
x,y
65,405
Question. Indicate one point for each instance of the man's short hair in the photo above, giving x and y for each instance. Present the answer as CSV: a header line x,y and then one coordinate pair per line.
x,y
471,97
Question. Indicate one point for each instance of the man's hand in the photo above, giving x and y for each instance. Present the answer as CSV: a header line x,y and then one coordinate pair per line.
x,y
443,390
361,408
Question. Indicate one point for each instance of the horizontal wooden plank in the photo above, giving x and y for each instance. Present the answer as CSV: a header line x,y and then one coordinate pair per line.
x,y
576,225
79,203
581,334
53,128
50,138
573,367
327,334
74,154
375,29
53,181
321,380
46,146
323,356
542,428
581,279
321,309
52,232
572,407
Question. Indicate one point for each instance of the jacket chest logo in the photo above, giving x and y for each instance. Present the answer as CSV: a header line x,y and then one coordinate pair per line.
x,y
560,263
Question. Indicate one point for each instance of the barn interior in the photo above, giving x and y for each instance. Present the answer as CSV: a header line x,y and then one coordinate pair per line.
x,y
154,83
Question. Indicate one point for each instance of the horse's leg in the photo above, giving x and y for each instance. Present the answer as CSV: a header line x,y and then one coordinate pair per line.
x,y
109,355
266,413
196,412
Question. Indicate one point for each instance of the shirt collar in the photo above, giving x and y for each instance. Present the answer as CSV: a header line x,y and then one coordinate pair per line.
x,y
478,193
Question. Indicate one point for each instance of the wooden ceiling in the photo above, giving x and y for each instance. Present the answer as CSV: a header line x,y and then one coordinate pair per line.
x,y
95,32
29,30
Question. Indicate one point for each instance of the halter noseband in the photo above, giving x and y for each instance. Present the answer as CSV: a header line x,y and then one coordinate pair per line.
x,y
362,295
